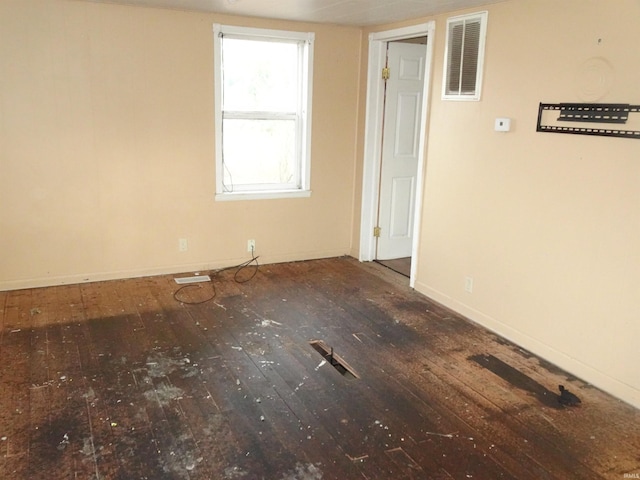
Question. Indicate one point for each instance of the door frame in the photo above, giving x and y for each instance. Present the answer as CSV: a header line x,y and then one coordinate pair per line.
x,y
373,138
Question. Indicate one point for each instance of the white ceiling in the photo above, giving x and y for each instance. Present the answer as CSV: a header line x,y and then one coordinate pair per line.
x,y
341,12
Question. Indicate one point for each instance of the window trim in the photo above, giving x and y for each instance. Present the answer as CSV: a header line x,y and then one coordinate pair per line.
x,y
304,147
483,18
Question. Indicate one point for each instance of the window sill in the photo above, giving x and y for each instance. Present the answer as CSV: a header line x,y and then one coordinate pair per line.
x,y
462,98
231,196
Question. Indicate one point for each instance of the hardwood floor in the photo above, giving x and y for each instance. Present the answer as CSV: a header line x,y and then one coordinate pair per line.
x,y
118,380
399,265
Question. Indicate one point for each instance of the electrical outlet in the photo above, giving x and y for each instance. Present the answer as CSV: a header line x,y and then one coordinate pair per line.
x,y
468,284
251,246
183,246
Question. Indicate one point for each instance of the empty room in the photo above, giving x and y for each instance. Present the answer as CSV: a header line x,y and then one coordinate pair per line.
x,y
305,240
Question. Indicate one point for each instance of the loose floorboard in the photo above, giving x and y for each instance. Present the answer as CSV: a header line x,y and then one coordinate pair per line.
x,y
125,380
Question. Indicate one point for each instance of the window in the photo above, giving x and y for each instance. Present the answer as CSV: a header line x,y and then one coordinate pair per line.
x,y
262,112
464,57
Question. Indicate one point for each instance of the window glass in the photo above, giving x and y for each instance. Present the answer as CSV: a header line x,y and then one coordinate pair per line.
x,y
259,75
259,153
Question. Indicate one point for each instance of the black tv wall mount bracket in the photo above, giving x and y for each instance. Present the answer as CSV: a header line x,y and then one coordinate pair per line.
x,y
601,117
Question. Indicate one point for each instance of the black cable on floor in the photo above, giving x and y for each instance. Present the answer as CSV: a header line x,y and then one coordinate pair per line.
x,y
239,268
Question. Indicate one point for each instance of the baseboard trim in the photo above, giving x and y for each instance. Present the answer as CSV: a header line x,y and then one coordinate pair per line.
x,y
572,365
52,281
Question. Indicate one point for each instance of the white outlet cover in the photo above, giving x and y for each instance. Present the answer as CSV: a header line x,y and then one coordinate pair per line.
x,y
468,284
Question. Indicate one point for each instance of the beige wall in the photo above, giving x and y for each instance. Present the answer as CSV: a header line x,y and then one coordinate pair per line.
x,y
548,225
107,147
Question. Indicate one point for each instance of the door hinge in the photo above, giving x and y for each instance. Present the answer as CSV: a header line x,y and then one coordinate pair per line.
x,y
386,73
376,232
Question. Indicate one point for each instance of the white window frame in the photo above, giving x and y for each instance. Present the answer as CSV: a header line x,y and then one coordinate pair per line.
x,y
303,134
482,17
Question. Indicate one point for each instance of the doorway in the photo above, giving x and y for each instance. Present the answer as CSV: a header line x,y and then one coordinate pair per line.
x,y
394,144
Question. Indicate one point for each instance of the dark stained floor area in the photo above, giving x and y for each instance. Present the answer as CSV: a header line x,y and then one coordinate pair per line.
x,y
119,380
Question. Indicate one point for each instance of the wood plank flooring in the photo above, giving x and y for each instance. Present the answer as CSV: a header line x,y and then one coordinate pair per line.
x,y
119,380
398,265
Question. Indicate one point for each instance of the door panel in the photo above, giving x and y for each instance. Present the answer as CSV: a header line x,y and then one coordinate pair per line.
x,y
402,195
400,143
407,135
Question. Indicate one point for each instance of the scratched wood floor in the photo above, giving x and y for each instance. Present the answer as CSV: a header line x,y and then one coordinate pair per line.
x,y
118,380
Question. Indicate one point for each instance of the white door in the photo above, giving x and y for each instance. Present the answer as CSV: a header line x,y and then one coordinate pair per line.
x,y
400,142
